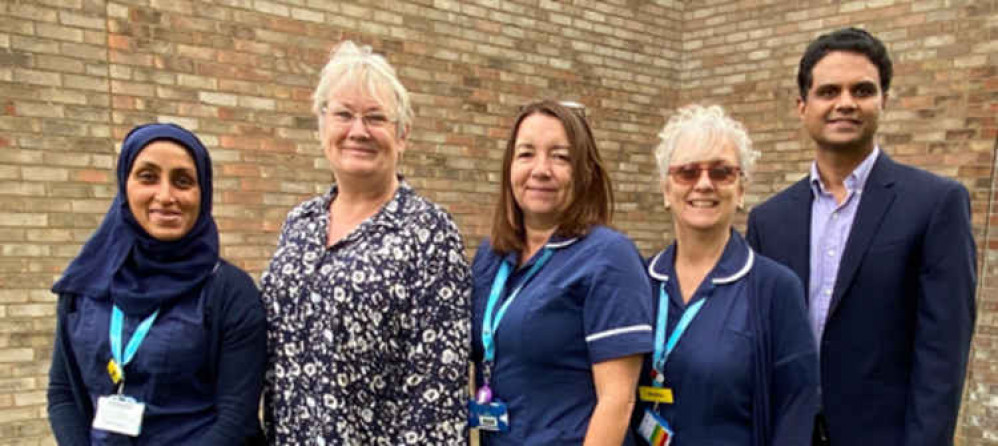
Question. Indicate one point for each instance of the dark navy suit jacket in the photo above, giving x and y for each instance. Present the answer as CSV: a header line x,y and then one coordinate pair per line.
x,y
894,350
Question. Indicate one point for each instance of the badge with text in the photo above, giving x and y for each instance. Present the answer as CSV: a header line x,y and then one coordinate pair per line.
x,y
119,414
114,371
651,394
654,429
488,416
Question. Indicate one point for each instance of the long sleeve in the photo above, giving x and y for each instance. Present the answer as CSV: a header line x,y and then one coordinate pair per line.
x,y
795,378
434,388
944,322
69,424
241,363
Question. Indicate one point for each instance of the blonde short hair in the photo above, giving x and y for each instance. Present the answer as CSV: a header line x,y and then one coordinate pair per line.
x,y
359,65
706,125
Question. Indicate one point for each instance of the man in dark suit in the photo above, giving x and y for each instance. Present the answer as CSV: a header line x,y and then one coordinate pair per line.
x,y
885,252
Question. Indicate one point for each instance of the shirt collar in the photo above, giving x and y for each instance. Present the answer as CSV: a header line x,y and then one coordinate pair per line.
x,y
735,262
390,214
856,180
555,242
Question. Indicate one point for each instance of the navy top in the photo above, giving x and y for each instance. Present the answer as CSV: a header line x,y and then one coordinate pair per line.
x,y
588,304
745,372
199,370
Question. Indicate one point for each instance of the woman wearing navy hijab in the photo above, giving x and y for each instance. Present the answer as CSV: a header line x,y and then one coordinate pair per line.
x,y
735,362
158,341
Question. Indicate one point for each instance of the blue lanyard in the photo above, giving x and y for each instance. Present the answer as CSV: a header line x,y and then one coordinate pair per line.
x,y
141,331
490,325
663,350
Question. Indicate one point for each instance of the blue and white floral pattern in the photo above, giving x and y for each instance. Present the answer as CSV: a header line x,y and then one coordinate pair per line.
x,y
368,340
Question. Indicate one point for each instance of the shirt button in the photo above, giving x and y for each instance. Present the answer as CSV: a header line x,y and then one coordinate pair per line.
x,y
828,292
831,253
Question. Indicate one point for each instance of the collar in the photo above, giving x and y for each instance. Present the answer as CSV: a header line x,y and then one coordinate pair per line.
x,y
854,182
390,214
554,243
735,262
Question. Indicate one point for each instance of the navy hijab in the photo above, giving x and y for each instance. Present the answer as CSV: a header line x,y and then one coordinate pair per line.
x,y
124,263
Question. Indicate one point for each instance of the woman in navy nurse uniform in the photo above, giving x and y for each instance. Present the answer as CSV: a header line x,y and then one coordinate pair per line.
x,y
561,314
735,362
151,318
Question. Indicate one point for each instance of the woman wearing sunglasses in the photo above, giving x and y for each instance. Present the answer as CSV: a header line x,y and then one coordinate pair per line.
x,y
734,360
561,315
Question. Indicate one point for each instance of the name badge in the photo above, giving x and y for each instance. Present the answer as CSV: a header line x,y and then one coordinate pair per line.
x,y
114,371
653,394
492,416
119,414
654,429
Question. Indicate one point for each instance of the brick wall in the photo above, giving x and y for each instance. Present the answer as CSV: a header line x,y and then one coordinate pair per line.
x,y
941,115
76,75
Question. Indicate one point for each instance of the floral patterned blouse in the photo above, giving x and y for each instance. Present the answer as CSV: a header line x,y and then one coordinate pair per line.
x,y
368,340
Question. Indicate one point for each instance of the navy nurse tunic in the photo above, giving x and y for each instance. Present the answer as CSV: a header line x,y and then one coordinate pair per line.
x,y
745,372
587,304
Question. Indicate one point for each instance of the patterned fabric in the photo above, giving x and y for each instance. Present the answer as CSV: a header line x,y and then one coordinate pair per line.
x,y
368,340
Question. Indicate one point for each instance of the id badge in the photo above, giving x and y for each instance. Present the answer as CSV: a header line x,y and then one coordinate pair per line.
x,y
119,414
654,429
493,416
659,395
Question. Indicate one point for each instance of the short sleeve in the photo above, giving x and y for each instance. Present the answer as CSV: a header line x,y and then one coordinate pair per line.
x,y
617,311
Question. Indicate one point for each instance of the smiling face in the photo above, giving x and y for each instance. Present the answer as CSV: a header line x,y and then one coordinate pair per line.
x,y
843,106
705,205
163,192
359,135
541,170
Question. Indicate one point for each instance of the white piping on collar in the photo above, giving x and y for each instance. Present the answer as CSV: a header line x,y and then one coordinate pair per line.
x,y
717,281
651,269
561,244
738,275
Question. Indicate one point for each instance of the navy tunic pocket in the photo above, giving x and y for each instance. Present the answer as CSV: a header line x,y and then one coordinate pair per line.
x,y
551,326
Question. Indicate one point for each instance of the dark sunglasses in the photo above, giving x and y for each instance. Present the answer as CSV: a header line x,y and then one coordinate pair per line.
x,y
719,173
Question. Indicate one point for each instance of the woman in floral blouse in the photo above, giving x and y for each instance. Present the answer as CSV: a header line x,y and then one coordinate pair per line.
x,y
367,295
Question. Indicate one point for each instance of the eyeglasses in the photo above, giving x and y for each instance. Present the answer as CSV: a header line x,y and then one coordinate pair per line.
x,y
719,173
344,118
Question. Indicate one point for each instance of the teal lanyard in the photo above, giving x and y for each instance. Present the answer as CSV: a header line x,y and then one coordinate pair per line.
x,y
117,319
490,325
663,349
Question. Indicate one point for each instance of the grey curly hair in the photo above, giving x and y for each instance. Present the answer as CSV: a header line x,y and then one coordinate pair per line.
x,y
705,125
350,63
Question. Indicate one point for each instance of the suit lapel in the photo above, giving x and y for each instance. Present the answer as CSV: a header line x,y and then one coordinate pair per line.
x,y
798,229
878,195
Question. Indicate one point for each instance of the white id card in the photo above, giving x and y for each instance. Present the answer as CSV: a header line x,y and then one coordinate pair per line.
x,y
654,429
119,414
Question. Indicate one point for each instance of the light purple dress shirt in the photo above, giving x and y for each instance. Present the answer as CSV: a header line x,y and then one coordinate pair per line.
x,y
830,226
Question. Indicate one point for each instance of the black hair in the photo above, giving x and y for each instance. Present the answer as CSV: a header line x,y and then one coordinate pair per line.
x,y
852,40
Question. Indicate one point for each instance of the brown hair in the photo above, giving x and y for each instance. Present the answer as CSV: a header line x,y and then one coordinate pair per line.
x,y
592,194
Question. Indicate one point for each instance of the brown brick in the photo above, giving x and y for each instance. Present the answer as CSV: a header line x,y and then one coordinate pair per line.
x,y
80,21
29,11
79,73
